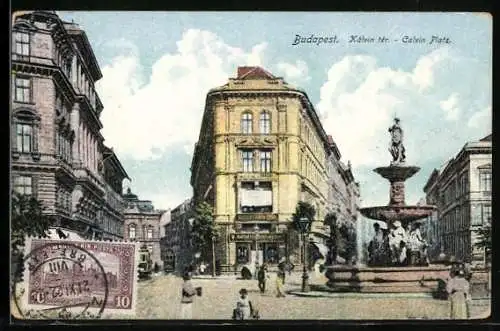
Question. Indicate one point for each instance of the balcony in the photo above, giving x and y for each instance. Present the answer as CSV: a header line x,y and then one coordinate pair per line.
x,y
256,176
251,217
84,174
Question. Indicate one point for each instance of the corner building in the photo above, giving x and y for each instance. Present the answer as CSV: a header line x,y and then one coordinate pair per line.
x,y
261,150
461,190
57,150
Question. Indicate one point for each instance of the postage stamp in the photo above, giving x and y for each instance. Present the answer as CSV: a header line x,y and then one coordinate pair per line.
x,y
77,279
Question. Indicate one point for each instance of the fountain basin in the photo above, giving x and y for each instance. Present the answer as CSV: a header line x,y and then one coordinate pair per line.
x,y
404,214
397,173
413,279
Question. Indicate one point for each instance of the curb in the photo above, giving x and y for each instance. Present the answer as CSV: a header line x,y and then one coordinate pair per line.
x,y
318,294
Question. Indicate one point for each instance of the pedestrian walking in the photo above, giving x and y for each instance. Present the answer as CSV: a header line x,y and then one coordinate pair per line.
x,y
188,294
458,289
280,280
262,278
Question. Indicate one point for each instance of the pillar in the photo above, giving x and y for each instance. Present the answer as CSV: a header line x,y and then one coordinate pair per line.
x,y
397,193
75,126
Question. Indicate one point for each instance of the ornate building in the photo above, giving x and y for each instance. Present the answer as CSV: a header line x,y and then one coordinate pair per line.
x,y
461,190
261,149
176,246
343,192
142,224
57,150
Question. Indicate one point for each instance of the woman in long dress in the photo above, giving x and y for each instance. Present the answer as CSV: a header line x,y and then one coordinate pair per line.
x,y
459,294
280,277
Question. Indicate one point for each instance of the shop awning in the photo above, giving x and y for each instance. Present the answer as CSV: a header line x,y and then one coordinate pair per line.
x,y
322,248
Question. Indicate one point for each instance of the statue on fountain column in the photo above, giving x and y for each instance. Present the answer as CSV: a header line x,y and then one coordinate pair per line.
x,y
396,147
397,235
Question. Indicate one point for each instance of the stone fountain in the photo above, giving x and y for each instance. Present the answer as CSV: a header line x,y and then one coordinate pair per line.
x,y
388,277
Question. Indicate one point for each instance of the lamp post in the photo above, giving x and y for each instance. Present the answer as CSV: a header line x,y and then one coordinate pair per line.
x,y
304,223
213,255
256,232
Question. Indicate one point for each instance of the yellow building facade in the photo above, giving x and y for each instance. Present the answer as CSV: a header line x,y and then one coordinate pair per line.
x,y
261,150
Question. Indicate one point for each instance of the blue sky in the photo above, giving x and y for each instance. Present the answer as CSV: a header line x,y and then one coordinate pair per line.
x,y
158,67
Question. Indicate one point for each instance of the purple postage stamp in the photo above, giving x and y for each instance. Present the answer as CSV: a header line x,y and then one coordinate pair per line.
x,y
78,279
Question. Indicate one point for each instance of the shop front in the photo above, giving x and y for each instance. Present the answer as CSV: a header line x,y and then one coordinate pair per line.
x,y
258,248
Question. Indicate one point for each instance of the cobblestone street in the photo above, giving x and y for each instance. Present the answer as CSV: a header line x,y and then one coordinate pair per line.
x,y
159,298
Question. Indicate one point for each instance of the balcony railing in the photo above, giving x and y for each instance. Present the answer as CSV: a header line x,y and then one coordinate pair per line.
x,y
249,217
85,174
256,175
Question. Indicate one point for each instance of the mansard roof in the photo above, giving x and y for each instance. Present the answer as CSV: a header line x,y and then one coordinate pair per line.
x,y
487,138
254,73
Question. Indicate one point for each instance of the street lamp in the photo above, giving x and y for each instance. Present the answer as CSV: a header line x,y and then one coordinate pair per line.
x,y
213,255
304,224
256,232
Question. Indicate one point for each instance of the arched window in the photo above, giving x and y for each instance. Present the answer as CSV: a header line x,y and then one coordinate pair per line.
x,y
265,122
131,231
25,131
246,123
149,233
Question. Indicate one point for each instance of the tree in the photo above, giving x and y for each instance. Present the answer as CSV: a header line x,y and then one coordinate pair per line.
x,y
303,209
348,237
203,228
27,220
333,241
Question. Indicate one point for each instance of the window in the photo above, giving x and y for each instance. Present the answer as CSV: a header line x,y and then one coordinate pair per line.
x,y
67,67
265,161
131,231
23,185
22,89
265,122
247,158
150,248
149,233
476,215
22,40
246,123
486,214
485,179
24,133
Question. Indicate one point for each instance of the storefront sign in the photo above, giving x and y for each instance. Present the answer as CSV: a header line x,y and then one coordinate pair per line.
x,y
261,237
257,217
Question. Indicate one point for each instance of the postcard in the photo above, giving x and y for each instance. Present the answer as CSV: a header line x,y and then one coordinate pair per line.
x,y
251,165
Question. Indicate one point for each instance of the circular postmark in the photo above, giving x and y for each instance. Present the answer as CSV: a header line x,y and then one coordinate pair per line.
x,y
60,281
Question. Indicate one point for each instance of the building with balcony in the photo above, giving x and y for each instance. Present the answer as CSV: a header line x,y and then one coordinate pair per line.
x,y
112,214
261,150
461,190
57,150
142,224
177,250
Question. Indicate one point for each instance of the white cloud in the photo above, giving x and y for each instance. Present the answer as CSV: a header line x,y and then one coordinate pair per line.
x,y
143,117
481,119
294,72
450,107
360,98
